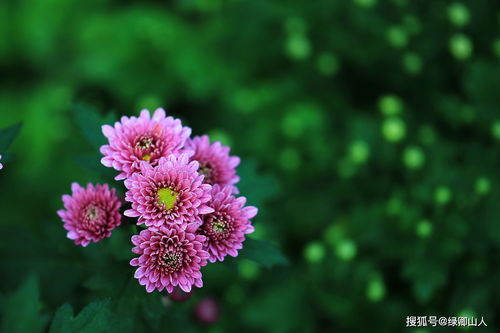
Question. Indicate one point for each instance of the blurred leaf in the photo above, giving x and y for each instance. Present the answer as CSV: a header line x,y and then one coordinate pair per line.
x,y
178,319
107,279
90,122
119,245
126,307
256,187
6,157
231,263
427,284
92,162
263,253
132,303
152,309
7,135
59,323
21,310
270,310
94,318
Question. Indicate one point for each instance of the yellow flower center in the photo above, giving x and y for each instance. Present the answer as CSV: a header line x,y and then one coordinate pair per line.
x,y
167,197
219,226
146,158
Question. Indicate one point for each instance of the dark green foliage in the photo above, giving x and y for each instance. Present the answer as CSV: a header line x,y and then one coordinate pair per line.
x,y
257,187
93,318
22,310
90,122
262,252
92,162
369,133
7,135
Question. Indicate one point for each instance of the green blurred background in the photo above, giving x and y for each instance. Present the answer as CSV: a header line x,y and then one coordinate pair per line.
x,y
369,132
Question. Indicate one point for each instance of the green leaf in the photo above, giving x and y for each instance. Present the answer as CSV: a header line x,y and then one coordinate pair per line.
x,y
270,309
7,135
231,263
263,253
94,318
427,284
62,317
92,162
125,309
152,309
90,122
132,308
21,310
256,187
6,157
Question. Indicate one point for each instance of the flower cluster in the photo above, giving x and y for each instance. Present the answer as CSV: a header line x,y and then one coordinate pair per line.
x,y
181,190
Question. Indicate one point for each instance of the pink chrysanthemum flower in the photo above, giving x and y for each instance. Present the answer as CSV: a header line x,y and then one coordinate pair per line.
x,y
215,163
171,192
1,166
226,227
133,140
90,213
169,257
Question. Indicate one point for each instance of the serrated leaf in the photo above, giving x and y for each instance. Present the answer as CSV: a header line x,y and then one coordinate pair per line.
x,y
90,122
62,316
7,135
263,253
107,280
21,310
94,318
125,308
